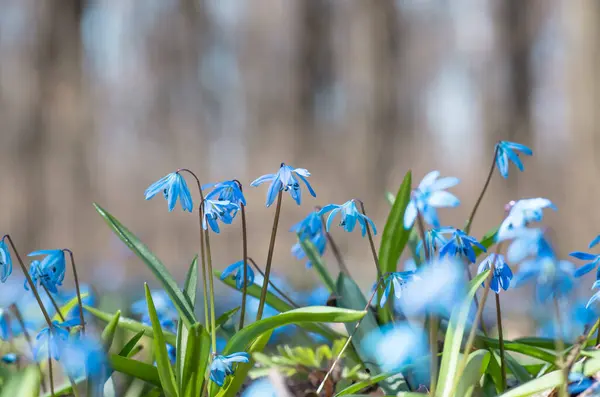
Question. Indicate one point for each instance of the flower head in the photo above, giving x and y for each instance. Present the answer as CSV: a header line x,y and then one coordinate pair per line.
x,y
85,356
553,278
50,271
226,191
222,366
522,213
165,310
238,267
588,267
506,151
50,341
349,215
5,261
309,226
527,242
173,187
502,273
429,195
285,180
434,240
218,210
397,281
461,245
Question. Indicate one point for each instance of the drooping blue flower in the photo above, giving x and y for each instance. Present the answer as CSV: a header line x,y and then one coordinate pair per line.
x,y
461,244
588,267
165,310
50,341
238,267
260,388
222,366
9,358
396,281
226,191
349,215
506,151
522,213
285,180
502,273
429,195
173,187
527,242
50,271
594,299
85,356
6,265
435,240
309,226
553,277
319,241
218,210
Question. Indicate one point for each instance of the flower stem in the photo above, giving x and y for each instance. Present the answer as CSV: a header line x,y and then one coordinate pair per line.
x,y
77,289
54,304
501,341
50,375
29,281
485,186
339,356
265,286
371,243
279,291
211,292
560,347
245,253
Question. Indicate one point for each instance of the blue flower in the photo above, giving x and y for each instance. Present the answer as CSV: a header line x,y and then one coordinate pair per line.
x,y
260,388
397,281
574,318
218,210
5,261
222,366
527,242
285,180
579,383
318,240
596,296
506,151
85,356
50,340
50,271
349,215
553,278
309,226
502,273
165,310
461,245
588,267
173,187
226,191
522,213
429,195
595,241
435,240
9,358
239,276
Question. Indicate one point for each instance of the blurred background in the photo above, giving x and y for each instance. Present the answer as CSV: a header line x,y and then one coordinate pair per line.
x,y
98,99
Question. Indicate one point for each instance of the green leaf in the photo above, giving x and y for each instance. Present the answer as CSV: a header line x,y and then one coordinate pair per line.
x,y
183,305
527,350
281,306
395,236
519,371
544,343
477,363
24,384
135,368
129,324
130,345
242,369
313,256
196,359
223,318
67,307
165,371
189,293
451,358
248,334
487,241
108,334
358,386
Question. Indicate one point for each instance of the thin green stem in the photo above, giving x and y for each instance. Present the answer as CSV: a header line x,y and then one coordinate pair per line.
x,y
54,304
485,187
371,243
341,353
275,288
560,348
50,374
245,253
501,342
77,289
211,292
265,286
29,281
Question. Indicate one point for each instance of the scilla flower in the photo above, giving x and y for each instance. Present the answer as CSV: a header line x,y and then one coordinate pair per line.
x,y
509,151
238,267
461,244
588,267
285,180
5,261
218,210
226,191
50,341
396,281
435,240
309,226
553,278
165,310
429,195
222,366
85,356
522,213
50,271
502,273
173,187
349,215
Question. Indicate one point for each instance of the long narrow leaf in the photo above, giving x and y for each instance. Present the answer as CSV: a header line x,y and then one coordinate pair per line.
x,y
135,368
189,293
108,334
67,307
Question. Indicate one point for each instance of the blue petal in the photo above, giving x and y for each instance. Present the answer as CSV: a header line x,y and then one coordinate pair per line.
x,y
331,216
274,189
428,180
515,159
310,189
594,241
444,183
410,215
443,199
520,147
157,186
263,179
231,268
583,255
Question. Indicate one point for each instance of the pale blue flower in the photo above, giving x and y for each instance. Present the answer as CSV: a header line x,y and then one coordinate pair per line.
x,y
522,213
260,388
396,281
502,273
173,187
222,366
553,278
318,240
594,299
574,317
461,245
85,356
218,210
6,265
226,191
349,215
165,310
50,271
435,240
285,180
429,195
588,267
527,242
509,151
238,267
50,341
309,226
